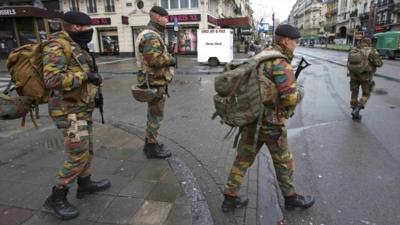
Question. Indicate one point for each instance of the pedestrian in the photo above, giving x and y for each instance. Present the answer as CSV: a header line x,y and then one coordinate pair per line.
x,y
67,69
272,131
362,63
155,68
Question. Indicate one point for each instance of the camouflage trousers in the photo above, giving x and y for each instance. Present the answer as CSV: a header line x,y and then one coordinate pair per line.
x,y
77,130
275,137
367,87
155,116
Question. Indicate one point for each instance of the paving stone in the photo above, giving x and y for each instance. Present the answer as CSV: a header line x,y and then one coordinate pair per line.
x,y
165,192
92,206
129,169
180,215
43,218
34,197
138,188
121,210
77,221
52,160
152,213
252,201
105,166
14,216
117,183
116,153
153,171
251,217
169,177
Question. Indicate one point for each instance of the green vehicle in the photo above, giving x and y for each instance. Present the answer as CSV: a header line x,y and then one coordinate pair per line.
x,y
388,44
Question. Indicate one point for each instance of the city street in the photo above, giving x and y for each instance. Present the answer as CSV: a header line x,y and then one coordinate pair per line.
x,y
350,167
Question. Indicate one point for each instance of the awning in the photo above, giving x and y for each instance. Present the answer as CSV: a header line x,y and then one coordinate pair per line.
x,y
238,22
28,11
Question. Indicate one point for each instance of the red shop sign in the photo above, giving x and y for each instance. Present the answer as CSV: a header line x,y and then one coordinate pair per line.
x,y
101,21
185,18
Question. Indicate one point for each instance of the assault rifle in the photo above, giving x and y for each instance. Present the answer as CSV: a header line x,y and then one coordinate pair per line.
x,y
301,67
98,100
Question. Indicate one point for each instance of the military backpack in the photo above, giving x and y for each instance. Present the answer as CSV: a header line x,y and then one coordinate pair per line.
x,y
25,65
242,90
358,62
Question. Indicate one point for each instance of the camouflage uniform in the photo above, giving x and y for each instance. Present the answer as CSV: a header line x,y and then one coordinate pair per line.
x,y
71,105
154,63
272,132
364,80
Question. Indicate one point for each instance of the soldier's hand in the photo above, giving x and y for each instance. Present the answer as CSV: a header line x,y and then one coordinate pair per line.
x,y
95,78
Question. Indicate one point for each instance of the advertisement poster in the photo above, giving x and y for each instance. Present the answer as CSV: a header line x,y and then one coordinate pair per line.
x,y
187,40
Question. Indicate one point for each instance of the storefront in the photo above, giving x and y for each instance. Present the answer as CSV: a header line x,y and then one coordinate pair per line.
x,y
26,25
107,36
186,34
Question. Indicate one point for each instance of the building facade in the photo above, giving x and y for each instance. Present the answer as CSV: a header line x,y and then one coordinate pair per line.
x,y
118,22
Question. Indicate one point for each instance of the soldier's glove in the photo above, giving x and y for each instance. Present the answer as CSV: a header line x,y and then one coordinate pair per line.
x,y
94,78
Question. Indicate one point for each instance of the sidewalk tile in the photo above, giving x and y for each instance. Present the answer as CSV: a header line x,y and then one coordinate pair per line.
x,y
105,166
154,170
121,210
14,216
33,197
117,183
165,192
180,215
43,218
92,206
138,188
251,217
129,169
152,213
77,221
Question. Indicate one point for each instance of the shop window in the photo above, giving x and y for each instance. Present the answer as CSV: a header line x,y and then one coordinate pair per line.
x,y
7,38
91,6
26,31
109,43
74,5
109,6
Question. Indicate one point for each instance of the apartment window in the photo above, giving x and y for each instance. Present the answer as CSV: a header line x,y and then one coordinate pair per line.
x,y
91,6
109,6
74,5
179,4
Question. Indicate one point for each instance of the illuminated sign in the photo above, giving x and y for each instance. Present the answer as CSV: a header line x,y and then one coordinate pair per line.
x,y
185,18
101,21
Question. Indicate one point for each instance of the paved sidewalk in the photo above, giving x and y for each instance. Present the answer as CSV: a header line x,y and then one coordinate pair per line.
x,y
143,191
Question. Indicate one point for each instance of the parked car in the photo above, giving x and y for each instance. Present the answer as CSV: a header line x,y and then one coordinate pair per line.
x,y
388,44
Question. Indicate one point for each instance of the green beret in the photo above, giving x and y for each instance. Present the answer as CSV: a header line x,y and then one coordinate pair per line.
x,y
159,10
287,30
77,18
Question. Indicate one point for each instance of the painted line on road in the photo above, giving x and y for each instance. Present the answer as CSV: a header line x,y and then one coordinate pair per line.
x,y
344,65
114,61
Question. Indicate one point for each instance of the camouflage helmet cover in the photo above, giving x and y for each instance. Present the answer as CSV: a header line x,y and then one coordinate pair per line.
x,y
14,107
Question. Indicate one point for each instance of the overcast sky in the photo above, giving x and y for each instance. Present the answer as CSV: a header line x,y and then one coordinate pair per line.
x,y
264,8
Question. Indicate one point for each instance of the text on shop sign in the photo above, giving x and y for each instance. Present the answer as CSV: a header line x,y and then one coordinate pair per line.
x,y
184,18
7,12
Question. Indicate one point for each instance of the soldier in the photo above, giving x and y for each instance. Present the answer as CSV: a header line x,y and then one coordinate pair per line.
x,y
272,131
155,69
67,72
364,78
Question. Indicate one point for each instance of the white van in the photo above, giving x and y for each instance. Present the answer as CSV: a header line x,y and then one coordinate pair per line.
x,y
214,46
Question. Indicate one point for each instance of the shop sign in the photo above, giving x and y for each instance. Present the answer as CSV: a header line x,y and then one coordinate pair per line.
x,y
212,20
125,20
185,18
101,21
7,12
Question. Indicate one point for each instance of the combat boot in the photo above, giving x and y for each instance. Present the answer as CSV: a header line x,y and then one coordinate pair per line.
x,y
356,113
230,203
58,203
298,201
155,150
87,186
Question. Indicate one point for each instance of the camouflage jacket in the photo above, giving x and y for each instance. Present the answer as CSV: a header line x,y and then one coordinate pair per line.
x,y
153,58
374,61
67,79
280,71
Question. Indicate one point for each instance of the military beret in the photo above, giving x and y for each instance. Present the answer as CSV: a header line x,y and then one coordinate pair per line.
x,y
159,10
77,18
287,30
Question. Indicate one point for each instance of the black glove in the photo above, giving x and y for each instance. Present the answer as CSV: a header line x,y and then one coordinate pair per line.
x,y
94,78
